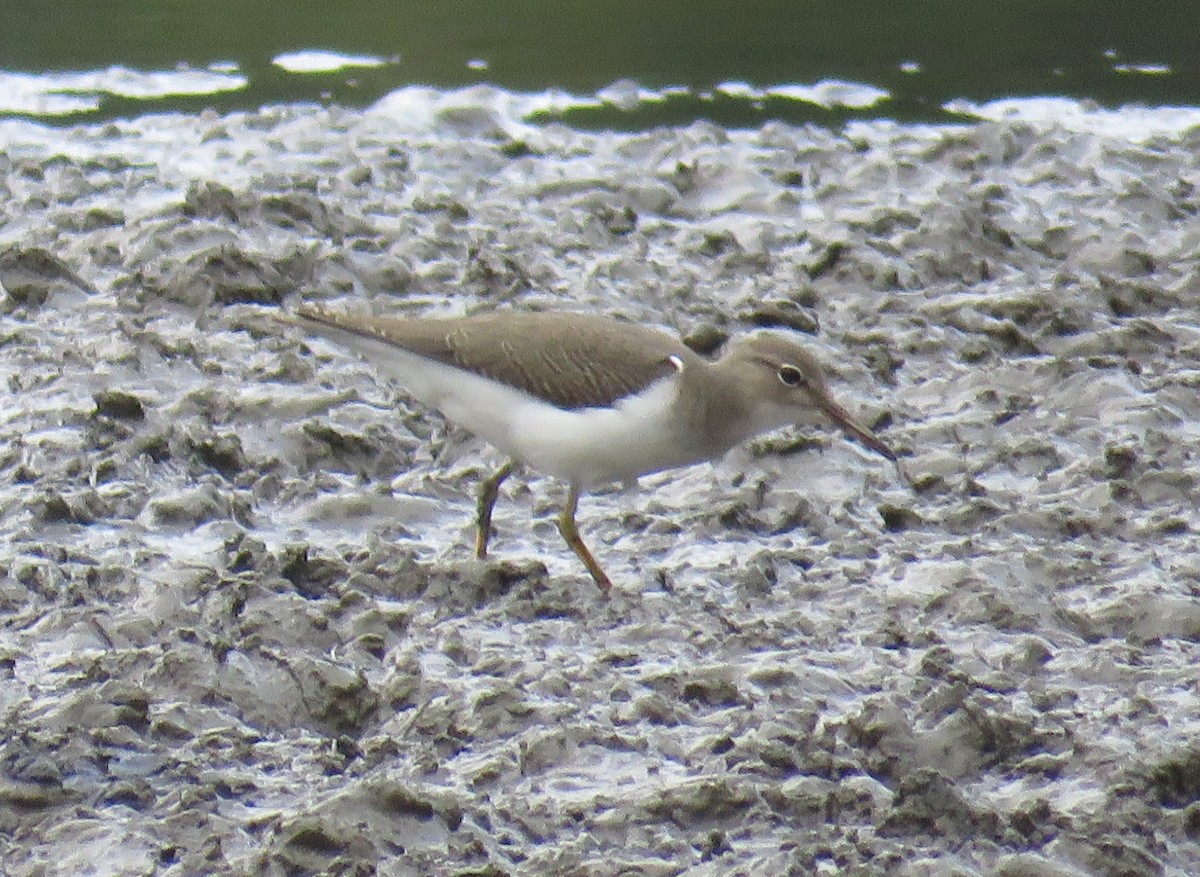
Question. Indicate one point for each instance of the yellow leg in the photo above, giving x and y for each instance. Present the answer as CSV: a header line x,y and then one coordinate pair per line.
x,y
566,526
488,491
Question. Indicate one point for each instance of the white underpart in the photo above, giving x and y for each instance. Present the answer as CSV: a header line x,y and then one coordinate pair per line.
x,y
584,447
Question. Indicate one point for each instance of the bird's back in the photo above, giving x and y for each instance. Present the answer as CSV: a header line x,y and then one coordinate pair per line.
x,y
569,360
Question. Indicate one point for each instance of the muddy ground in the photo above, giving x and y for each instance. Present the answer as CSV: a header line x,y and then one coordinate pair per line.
x,y
242,629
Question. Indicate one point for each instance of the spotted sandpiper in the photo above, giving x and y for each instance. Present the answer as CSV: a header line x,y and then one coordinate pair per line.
x,y
588,399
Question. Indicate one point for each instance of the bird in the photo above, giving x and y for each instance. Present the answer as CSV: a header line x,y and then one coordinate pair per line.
x,y
589,399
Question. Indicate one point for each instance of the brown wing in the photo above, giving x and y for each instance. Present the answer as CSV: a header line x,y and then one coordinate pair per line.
x,y
570,360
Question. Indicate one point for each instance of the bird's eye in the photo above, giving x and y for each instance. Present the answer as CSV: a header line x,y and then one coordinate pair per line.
x,y
791,376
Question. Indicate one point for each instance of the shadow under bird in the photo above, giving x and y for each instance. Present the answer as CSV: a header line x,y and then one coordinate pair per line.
x,y
588,399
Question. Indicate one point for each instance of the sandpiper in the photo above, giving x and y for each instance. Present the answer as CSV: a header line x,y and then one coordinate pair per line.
x,y
589,399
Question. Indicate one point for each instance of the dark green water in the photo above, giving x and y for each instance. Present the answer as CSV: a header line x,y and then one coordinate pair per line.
x,y
964,48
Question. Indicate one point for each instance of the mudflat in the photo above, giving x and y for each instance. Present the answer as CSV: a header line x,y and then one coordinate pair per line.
x,y
242,629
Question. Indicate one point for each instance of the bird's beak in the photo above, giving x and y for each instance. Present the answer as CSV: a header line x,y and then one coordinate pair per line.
x,y
852,427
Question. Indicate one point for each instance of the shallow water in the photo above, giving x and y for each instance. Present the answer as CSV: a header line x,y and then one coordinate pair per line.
x,y
633,66
243,632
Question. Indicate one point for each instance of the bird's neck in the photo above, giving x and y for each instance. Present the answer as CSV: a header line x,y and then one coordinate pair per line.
x,y
714,408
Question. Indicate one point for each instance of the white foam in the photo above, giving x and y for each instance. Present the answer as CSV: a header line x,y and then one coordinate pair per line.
x,y
321,61
57,94
1134,123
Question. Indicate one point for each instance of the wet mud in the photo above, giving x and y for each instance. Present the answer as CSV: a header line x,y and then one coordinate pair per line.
x,y
243,632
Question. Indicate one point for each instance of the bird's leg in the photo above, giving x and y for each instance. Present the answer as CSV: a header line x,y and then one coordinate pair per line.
x,y
488,491
570,533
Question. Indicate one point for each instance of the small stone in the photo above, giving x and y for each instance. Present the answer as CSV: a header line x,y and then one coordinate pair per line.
x,y
712,692
828,259
706,339
119,405
786,314
516,149
898,518
30,275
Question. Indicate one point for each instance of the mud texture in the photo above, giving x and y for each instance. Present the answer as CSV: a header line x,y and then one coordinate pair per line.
x,y
242,632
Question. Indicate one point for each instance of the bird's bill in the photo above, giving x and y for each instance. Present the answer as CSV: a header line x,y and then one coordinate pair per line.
x,y
853,428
